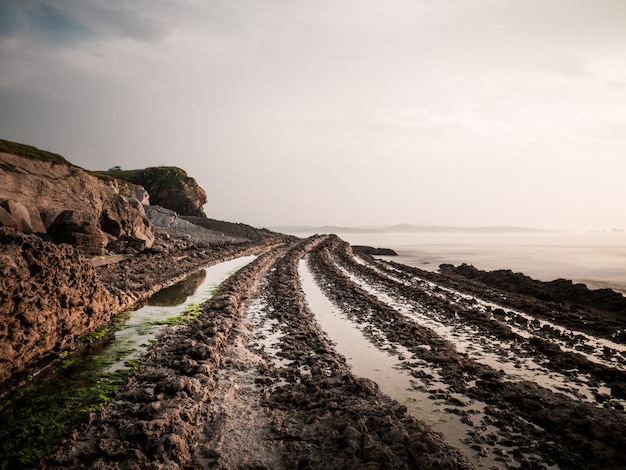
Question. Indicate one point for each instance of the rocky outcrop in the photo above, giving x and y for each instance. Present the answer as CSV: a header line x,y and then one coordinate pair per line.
x,y
559,290
64,202
50,297
169,187
236,229
169,222
15,215
371,251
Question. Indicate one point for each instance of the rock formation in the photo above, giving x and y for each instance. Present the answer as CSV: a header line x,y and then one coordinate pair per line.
x,y
50,296
559,290
169,187
55,198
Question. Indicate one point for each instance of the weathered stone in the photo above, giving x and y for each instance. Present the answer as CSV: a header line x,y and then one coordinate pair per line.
x,y
80,230
170,187
19,213
50,296
38,193
6,219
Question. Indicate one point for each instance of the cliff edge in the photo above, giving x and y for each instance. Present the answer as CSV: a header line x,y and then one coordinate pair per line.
x,y
168,186
43,193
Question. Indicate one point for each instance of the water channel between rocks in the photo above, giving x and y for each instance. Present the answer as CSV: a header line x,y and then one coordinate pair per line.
x,y
502,356
385,368
145,323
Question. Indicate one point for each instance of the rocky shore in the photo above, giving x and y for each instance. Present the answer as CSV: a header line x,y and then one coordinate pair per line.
x,y
255,383
501,371
181,410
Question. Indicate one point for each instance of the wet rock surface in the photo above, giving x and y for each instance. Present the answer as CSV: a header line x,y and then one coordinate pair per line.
x,y
255,383
529,425
179,410
50,296
559,290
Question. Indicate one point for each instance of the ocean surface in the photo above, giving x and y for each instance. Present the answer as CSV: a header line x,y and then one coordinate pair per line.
x,y
595,259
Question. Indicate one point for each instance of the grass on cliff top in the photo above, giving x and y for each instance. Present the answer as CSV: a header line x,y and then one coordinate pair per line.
x,y
29,151
164,176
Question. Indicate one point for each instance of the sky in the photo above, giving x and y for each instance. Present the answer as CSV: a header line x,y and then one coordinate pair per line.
x,y
336,112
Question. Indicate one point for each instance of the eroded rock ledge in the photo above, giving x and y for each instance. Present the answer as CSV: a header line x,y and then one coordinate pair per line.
x,y
50,296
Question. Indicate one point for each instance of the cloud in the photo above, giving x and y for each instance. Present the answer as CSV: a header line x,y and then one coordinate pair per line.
x,y
253,93
66,21
55,24
570,66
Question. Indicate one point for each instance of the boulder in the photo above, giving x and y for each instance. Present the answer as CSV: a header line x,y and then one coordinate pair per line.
x,y
43,195
126,222
80,230
142,195
49,297
19,213
6,219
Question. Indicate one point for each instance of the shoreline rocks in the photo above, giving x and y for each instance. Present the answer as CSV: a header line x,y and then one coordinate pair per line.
x,y
50,297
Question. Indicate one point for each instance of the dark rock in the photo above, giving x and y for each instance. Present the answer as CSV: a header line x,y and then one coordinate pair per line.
x,y
50,296
169,187
371,251
559,290
79,230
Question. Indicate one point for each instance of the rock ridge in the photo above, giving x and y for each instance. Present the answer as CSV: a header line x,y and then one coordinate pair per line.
x,y
50,297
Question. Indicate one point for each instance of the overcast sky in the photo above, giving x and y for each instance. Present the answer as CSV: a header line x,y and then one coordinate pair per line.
x,y
339,112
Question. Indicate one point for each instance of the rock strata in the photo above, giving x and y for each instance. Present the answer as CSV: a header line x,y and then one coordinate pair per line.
x,y
50,297
559,290
169,187
176,412
68,204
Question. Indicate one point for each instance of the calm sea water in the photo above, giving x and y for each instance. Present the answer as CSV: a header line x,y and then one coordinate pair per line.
x,y
595,259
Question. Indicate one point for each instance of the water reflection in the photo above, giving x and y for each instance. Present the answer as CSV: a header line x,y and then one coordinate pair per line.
x,y
177,293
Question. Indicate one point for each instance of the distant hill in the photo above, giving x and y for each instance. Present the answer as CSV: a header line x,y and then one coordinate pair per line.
x,y
323,229
442,229
408,228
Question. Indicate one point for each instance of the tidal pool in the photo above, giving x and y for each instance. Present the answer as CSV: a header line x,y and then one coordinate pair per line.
x,y
145,323
386,369
41,412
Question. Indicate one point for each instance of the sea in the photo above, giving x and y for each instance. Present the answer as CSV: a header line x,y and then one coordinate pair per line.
x,y
595,259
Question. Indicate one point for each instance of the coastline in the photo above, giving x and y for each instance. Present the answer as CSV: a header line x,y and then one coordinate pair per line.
x,y
191,367
597,260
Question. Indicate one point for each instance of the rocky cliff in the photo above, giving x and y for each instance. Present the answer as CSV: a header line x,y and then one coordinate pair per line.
x,y
42,193
50,296
169,187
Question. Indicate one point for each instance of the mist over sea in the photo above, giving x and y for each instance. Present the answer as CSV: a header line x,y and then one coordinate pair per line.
x,y
595,259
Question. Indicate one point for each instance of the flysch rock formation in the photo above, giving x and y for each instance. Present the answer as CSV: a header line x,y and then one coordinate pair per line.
x,y
50,296
55,221
69,205
169,223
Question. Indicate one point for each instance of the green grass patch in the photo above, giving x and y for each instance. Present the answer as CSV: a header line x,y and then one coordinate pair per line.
x,y
36,416
116,324
29,151
191,312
